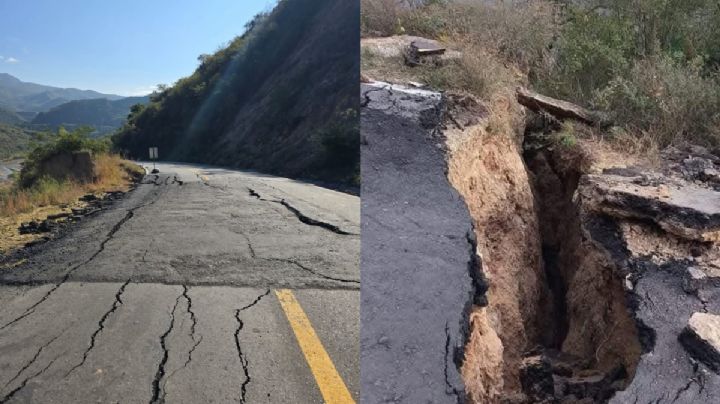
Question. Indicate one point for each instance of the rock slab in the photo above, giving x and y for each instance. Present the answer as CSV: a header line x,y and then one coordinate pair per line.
x,y
701,338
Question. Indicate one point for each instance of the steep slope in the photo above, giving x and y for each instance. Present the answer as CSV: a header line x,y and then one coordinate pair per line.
x,y
18,95
95,112
281,98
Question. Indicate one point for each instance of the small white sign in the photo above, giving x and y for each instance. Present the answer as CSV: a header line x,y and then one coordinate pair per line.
x,y
153,153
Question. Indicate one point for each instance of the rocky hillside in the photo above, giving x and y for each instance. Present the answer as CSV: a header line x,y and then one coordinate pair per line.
x,y
281,98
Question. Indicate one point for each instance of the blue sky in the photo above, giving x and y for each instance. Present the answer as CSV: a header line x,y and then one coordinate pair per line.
x,y
121,47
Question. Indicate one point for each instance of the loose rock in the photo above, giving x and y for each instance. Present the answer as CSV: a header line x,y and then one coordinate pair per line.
x,y
701,338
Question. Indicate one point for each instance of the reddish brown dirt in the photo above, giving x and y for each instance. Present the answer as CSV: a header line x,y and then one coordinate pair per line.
x,y
548,286
489,173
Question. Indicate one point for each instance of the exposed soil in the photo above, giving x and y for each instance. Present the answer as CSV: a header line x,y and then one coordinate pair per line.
x,y
588,266
593,325
556,326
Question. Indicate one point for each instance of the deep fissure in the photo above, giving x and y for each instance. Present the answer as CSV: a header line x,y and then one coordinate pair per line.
x,y
554,171
555,323
559,230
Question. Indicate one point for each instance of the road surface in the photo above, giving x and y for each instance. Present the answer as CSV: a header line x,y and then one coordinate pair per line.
x,y
203,285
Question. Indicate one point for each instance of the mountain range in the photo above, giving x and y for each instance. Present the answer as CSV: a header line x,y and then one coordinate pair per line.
x,y
96,112
17,95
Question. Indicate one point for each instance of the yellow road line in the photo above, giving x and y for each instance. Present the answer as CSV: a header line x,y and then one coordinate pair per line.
x,y
331,385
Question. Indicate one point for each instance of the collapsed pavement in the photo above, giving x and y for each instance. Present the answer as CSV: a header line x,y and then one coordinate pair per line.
x,y
418,253
593,273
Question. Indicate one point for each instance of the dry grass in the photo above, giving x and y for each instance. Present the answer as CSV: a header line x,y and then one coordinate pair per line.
x,y
475,71
616,148
112,173
48,197
657,100
497,42
10,237
48,192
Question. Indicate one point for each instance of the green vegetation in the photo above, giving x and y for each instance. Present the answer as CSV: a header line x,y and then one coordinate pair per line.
x,y
653,64
341,143
9,117
16,141
61,142
103,114
33,188
281,98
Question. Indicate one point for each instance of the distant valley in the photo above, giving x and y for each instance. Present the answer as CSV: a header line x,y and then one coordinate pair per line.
x,y
29,108
100,113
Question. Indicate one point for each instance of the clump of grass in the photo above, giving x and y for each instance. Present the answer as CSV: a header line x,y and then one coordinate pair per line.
x,y
567,136
380,18
112,173
497,43
33,188
61,142
44,192
476,71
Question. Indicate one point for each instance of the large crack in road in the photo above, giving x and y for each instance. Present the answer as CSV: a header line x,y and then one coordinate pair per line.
x,y
101,326
303,218
31,361
158,394
243,359
193,318
24,383
295,263
130,213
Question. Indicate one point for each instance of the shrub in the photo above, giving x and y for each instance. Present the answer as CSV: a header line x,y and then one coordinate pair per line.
x,y
476,71
341,143
592,50
674,101
62,142
111,173
651,63
380,17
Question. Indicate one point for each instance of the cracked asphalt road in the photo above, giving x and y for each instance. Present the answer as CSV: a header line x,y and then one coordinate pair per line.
x,y
167,296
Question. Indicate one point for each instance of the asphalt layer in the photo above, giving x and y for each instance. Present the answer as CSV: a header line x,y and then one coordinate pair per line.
x,y
166,296
666,372
417,253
